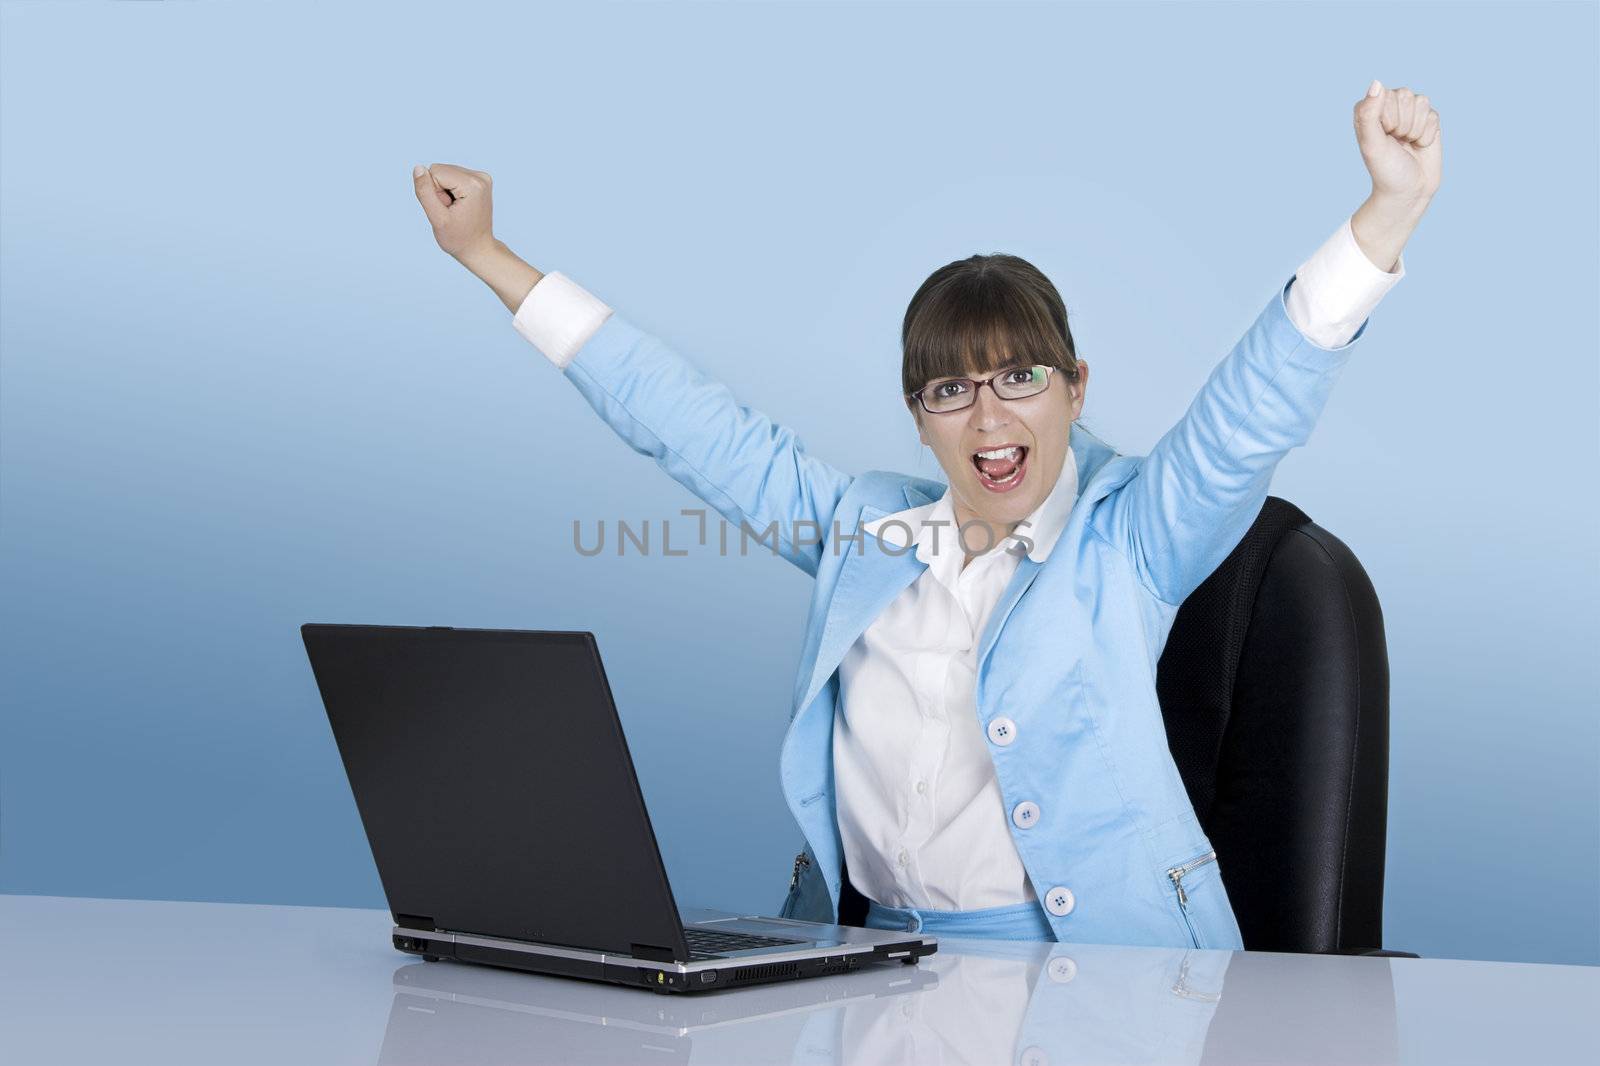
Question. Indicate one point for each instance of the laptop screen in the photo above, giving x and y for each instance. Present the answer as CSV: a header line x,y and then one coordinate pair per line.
x,y
495,785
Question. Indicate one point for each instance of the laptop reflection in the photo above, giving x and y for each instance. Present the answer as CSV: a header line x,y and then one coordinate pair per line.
x,y
1023,1002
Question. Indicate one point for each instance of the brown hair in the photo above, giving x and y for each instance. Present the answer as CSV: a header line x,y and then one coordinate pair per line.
x,y
982,313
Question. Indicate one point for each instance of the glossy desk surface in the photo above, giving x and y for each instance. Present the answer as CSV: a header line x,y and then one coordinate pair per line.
x,y
122,981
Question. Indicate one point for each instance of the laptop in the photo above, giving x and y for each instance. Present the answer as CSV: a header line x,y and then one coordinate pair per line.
x,y
499,797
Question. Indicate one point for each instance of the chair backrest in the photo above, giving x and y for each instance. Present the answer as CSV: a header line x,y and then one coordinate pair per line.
x,y
1274,684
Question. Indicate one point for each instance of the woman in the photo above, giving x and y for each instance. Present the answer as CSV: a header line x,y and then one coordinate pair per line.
x,y
975,734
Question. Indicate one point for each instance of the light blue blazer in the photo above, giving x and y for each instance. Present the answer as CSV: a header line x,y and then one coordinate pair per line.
x,y
1070,650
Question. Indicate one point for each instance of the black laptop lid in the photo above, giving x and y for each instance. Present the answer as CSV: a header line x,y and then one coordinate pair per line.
x,y
495,785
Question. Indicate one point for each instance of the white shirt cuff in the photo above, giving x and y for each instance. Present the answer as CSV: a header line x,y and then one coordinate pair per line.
x,y
1337,288
558,316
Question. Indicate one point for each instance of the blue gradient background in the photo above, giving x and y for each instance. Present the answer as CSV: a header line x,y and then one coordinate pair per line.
x,y
242,389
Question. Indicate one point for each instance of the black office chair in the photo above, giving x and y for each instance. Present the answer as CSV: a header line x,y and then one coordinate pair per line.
x,y
1274,684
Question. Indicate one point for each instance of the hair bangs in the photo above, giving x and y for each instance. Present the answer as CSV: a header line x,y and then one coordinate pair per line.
x,y
977,316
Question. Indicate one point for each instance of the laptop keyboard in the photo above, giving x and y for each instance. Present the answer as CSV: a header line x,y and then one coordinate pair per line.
x,y
712,944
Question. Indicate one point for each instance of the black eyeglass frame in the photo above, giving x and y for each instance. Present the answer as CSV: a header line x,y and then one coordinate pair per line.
x,y
978,383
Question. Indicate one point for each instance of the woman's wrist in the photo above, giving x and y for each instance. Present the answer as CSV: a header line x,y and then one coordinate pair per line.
x,y
1383,224
498,267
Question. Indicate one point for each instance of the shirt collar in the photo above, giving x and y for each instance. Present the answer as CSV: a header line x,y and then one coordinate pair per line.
x,y
1042,528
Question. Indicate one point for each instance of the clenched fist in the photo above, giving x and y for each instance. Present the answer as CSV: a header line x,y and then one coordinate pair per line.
x,y
1398,133
459,206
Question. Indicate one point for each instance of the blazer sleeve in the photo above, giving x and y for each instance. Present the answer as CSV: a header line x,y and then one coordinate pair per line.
x,y
753,471
1202,485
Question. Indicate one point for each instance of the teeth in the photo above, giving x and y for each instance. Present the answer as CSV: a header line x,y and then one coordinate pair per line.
x,y
1002,453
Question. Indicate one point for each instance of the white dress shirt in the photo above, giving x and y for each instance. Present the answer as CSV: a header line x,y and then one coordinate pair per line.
x,y
920,811
919,808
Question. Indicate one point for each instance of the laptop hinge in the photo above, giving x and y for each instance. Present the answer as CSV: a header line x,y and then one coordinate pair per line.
x,y
651,952
413,921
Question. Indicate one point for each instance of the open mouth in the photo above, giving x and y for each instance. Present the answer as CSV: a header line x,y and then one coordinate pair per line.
x,y
1001,469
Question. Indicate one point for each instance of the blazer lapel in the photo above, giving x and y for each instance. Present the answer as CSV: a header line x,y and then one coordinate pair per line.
x,y
870,577
1027,569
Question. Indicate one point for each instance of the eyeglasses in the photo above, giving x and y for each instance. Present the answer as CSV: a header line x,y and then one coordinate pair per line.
x,y
955,394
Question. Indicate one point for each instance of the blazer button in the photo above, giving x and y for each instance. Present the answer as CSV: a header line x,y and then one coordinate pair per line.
x,y
1025,814
1060,900
1002,730
1062,968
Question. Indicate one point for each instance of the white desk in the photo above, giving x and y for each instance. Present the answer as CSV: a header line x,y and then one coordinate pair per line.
x,y
117,981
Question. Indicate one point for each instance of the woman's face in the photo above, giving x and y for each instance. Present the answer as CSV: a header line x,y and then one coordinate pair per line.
x,y
1015,484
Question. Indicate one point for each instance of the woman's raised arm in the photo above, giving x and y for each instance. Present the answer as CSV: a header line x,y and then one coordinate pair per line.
x,y
753,471
1203,483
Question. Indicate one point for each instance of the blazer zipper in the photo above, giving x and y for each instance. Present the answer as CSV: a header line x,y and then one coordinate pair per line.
x,y
799,861
1177,872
